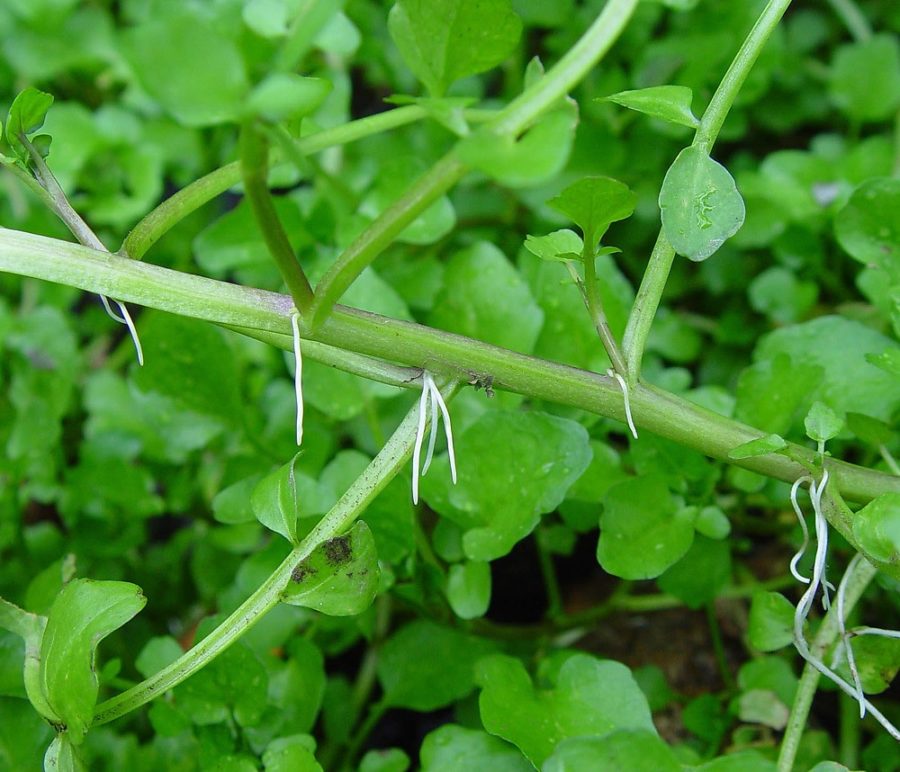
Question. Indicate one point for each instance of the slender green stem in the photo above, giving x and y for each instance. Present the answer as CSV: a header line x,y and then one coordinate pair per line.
x,y
849,732
853,19
568,71
382,233
414,345
594,303
657,273
512,120
369,484
863,573
375,714
646,304
254,172
551,583
175,208
715,635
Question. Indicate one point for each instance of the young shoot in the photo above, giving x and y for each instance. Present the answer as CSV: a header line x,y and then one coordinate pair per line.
x,y
624,386
298,375
431,394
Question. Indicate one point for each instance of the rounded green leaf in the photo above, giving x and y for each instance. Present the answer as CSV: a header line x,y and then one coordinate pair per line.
x,y
454,747
701,574
877,528
442,41
868,227
822,423
771,621
469,588
284,95
865,78
701,206
589,697
425,666
636,750
642,531
188,66
561,245
26,116
713,523
668,103
340,577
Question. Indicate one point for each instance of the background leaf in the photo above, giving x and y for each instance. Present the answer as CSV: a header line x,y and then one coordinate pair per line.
x,y
594,203
442,41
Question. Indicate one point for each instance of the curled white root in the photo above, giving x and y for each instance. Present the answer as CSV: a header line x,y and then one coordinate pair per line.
x,y
624,386
431,394
298,375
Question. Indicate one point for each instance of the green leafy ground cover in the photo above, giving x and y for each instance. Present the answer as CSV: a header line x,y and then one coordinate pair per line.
x,y
683,214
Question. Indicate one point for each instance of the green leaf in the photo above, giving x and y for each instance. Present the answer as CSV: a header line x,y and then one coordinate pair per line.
x,y
469,588
442,41
778,294
703,572
869,429
868,227
412,679
889,361
771,392
30,628
388,760
291,754
267,18
286,95
878,660
713,523
527,161
588,697
865,78
822,423
499,499
190,362
275,500
838,347
180,40
26,116
340,577
701,206
636,750
63,756
668,103
83,614
771,625
642,530
486,298
877,528
561,245
24,735
453,747
593,204
761,446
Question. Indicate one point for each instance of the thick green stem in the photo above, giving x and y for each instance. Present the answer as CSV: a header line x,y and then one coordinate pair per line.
x,y
367,486
254,172
654,282
455,356
512,120
863,573
175,208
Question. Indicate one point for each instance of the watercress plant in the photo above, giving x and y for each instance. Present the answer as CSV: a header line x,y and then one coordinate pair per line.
x,y
646,256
